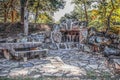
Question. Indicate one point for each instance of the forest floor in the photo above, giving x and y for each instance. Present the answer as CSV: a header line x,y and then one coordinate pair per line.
x,y
61,64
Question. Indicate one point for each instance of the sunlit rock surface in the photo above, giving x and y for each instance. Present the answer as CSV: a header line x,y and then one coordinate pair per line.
x,y
59,63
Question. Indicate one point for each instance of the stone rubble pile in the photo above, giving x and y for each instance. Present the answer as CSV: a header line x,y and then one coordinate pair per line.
x,y
108,45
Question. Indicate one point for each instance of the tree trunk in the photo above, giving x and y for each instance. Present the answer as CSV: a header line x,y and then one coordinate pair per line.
x,y
22,14
36,15
22,11
5,16
108,20
109,17
26,14
5,13
13,16
86,14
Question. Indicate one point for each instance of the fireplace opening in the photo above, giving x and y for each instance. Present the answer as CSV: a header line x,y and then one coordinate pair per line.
x,y
70,35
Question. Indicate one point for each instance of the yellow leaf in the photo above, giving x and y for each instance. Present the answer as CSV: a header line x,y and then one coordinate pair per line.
x,y
94,12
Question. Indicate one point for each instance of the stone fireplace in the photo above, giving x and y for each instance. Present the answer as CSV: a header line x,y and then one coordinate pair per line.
x,y
70,35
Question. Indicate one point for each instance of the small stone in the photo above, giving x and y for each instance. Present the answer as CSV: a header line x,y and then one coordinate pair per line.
x,y
66,57
47,40
14,64
33,72
69,75
38,62
117,65
58,74
87,48
47,74
93,66
93,62
5,71
53,46
102,66
82,64
62,46
88,68
36,76
116,61
27,65
74,64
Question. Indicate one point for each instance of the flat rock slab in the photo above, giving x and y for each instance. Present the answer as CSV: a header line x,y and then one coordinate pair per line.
x,y
117,61
19,45
27,65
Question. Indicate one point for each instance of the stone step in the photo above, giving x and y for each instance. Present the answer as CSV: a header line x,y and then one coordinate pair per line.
x,y
39,53
32,51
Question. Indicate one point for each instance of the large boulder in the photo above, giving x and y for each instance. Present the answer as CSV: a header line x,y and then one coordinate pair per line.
x,y
111,51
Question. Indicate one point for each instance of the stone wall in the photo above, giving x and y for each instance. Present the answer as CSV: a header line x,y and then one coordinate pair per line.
x,y
11,29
